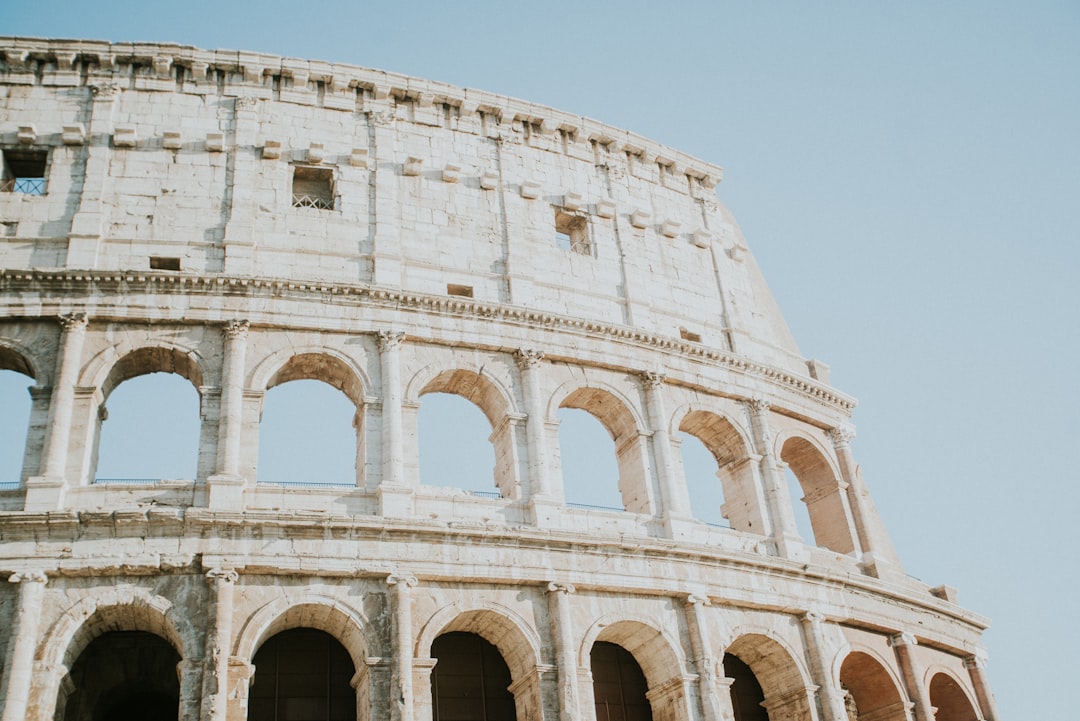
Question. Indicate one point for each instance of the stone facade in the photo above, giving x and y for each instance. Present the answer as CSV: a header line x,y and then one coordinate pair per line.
x,y
244,220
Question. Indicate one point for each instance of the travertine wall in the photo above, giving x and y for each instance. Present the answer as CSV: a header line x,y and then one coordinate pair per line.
x,y
656,321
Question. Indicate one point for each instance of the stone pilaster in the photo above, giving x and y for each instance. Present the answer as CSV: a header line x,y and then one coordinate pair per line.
x,y
563,637
401,625
676,503
246,165
215,696
227,485
976,667
715,696
84,238
45,492
781,516
22,642
903,645
832,699
544,499
395,495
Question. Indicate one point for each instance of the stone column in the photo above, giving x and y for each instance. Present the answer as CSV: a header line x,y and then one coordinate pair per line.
x,y
395,497
781,517
715,696
832,700
976,666
22,642
190,673
84,238
903,645
673,494
46,491
563,636
218,644
876,546
227,485
401,629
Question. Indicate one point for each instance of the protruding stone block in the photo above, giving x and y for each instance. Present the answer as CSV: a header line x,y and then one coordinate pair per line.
x,y
530,190
639,219
572,201
73,134
670,228
451,173
489,180
215,142
605,208
412,166
358,158
271,150
702,238
316,153
124,136
171,140
27,135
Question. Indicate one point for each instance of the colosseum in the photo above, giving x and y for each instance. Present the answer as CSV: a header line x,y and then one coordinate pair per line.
x,y
244,221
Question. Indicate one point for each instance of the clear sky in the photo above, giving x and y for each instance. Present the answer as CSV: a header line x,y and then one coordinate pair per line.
x,y
907,175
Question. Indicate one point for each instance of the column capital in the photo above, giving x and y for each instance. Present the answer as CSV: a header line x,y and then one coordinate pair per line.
x,y
652,379
235,329
105,91
976,660
759,405
226,575
73,321
389,339
904,638
31,576
405,580
814,617
695,600
528,358
556,587
842,435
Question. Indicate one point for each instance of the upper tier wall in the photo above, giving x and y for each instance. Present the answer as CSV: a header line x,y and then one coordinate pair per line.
x,y
174,156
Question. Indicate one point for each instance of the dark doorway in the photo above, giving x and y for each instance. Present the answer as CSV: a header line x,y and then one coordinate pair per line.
x,y
471,680
124,676
618,685
302,675
746,693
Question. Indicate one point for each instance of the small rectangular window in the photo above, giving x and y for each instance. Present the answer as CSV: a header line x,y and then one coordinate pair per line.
x,y
158,262
572,233
24,172
465,291
313,187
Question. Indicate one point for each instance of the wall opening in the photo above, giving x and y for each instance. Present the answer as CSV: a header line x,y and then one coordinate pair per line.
x,y
572,233
15,420
619,686
590,469
302,674
455,446
869,691
150,428
313,187
947,696
470,681
24,171
798,506
308,435
123,676
747,696
702,484
822,494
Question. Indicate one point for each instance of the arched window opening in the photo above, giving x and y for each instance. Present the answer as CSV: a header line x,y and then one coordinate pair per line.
x,y
149,430
822,494
798,506
123,676
308,435
302,674
15,420
619,685
471,680
949,699
455,446
590,469
869,691
702,485
747,696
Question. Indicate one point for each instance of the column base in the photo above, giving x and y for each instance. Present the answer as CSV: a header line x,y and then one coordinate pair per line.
x,y
226,492
882,568
44,494
680,528
544,511
395,500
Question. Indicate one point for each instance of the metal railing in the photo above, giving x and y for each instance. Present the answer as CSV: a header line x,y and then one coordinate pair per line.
x,y
127,481
27,186
313,201
591,507
485,494
309,484
9,485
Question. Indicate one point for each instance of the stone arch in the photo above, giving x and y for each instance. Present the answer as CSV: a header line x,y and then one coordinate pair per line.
x,y
660,657
325,613
624,423
949,696
18,358
784,681
15,356
312,363
120,608
824,493
874,688
727,441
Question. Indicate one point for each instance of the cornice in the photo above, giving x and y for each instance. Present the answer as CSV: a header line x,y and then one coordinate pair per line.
x,y
59,282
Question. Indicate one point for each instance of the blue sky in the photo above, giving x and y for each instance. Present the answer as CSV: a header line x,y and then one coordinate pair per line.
x,y
907,175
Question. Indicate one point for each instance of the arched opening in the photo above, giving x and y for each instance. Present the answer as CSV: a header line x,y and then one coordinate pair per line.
x,y
308,435
302,674
15,407
455,448
629,452
123,676
149,430
589,468
712,448
823,496
950,700
747,696
619,685
471,680
869,689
